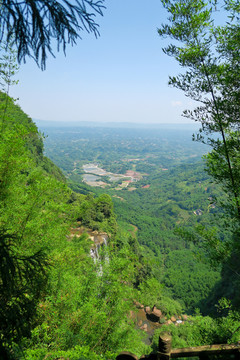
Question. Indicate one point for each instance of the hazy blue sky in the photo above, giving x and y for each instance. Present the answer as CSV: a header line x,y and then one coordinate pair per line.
x,y
120,77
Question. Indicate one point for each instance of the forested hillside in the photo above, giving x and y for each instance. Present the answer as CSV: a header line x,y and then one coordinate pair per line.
x,y
57,299
125,233
153,207
53,298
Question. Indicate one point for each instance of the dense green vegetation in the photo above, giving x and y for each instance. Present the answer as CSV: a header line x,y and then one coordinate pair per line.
x,y
209,56
55,299
61,302
50,286
163,218
77,262
152,214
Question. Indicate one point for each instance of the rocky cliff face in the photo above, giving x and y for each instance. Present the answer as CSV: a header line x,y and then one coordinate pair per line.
x,y
98,239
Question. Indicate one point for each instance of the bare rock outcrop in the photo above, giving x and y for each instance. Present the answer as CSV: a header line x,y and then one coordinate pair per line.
x,y
153,314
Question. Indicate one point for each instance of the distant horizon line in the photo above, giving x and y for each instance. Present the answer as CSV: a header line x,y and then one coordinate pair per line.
x,y
60,123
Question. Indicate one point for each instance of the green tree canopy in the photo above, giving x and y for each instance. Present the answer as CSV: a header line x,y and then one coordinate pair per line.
x,y
210,55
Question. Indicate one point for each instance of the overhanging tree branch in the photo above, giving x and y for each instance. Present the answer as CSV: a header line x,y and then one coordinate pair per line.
x,y
34,26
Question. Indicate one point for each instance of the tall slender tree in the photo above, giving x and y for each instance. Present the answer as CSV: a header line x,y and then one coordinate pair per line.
x,y
210,55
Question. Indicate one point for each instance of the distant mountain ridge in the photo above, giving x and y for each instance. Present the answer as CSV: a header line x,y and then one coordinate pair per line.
x,y
59,124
